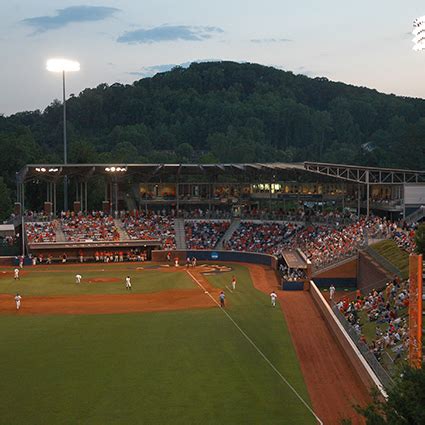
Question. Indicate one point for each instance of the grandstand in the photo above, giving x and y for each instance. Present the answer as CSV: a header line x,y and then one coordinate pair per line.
x,y
258,208
229,188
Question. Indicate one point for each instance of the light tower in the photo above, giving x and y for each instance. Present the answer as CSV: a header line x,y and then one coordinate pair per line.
x,y
63,66
419,34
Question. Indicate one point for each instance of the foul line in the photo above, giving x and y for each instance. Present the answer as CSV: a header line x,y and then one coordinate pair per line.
x,y
257,349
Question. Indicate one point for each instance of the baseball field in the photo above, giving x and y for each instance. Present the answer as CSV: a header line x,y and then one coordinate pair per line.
x,y
95,353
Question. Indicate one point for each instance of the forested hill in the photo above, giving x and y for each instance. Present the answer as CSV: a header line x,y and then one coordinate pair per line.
x,y
221,111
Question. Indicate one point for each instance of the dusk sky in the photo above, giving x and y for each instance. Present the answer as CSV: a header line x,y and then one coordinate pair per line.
x,y
363,43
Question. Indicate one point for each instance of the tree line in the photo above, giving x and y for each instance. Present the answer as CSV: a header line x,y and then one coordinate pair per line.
x,y
220,112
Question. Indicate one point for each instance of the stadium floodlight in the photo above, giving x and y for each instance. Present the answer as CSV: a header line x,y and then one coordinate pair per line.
x,y
63,65
419,34
116,169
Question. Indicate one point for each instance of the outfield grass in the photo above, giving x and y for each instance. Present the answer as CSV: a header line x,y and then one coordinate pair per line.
x,y
185,367
396,256
46,281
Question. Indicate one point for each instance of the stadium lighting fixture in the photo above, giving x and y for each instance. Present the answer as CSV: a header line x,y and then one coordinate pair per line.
x,y
63,65
116,169
419,34
44,170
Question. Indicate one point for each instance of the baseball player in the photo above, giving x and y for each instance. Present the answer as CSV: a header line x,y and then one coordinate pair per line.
x,y
331,292
273,297
128,283
233,283
222,297
16,274
18,301
78,278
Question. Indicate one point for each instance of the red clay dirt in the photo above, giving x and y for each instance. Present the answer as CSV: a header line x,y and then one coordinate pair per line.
x,y
176,299
102,280
334,387
108,304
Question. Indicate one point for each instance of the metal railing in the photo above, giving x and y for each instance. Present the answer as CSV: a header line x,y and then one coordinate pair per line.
x,y
385,378
383,261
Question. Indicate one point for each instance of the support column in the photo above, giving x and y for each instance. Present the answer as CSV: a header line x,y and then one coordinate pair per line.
x,y
270,196
23,198
404,201
358,199
177,196
367,194
54,199
116,196
85,196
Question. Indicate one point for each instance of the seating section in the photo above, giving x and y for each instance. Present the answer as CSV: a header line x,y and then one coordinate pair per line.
x,y
204,234
324,242
151,227
323,245
387,309
96,226
38,232
268,238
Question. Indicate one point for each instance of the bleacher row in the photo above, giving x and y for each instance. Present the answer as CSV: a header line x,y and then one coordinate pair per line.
x,y
321,243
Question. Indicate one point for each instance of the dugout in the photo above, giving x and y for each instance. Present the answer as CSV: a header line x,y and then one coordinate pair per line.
x,y
73,250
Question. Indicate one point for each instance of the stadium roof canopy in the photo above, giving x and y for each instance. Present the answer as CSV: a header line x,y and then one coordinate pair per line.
x,y
351,173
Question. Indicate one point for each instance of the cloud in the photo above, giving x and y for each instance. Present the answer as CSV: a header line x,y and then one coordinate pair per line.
x,y
168,33
150,71
69,15
270,40
305,71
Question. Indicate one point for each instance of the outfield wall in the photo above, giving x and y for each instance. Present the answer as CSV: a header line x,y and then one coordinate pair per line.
x,y
371,273
364,371
343,275
218,255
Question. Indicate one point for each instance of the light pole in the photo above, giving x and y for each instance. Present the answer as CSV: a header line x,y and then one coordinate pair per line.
x,y
63,66
419,33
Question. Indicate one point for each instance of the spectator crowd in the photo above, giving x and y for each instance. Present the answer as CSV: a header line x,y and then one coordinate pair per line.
x,y
388,309
41,231
201,234
150,226
95,226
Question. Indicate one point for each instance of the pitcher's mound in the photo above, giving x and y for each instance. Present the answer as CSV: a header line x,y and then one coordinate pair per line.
x,y
102,280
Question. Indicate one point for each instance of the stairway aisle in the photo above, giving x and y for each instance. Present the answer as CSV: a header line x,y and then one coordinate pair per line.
x,y
229,232
180,234
120,228
60,236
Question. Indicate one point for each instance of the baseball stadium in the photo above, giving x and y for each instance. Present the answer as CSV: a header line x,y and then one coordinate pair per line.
x,y
234,293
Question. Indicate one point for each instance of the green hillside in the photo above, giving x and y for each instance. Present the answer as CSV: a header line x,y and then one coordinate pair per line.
x,y
221,111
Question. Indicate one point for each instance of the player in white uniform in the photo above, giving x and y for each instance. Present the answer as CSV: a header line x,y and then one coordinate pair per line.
x,y
233,282
331,292
16,274
273,297
127,282
78,278
18,301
